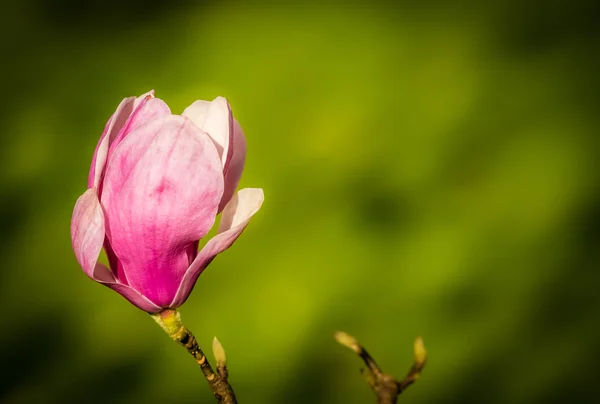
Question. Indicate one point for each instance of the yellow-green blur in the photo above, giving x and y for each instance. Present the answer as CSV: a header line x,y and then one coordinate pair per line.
x,y
430,169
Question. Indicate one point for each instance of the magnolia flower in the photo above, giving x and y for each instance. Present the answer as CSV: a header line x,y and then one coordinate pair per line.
x,y
157,182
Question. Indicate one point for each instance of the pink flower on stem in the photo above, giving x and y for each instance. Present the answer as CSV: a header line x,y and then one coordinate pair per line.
x,y
157,182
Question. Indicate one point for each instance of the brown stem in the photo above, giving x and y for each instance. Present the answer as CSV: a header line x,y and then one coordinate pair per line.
x,y
386,387
170,321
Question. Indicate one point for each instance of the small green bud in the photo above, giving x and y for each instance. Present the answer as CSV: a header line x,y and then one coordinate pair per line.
x,y
420,352
347,340
219,353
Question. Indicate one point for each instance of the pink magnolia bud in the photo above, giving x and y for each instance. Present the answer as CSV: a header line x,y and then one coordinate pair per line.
x,y
156,184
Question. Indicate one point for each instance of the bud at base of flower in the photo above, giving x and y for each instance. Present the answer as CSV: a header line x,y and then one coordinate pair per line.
x,y
169,320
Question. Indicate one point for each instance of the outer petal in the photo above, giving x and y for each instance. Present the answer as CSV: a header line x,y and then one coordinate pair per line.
x,y
197,113
147,109
115,123
234,220
216,120
161,192
87,230
87,235
130,113
145,96
236,164
104,276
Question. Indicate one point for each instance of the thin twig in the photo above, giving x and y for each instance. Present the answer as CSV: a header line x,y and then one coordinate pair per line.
x,y
170,321
386,387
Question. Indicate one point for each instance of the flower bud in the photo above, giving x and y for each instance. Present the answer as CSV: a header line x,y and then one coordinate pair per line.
x,y
156,185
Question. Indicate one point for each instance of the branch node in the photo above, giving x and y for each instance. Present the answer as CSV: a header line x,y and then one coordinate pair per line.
x,y
170,321
386,387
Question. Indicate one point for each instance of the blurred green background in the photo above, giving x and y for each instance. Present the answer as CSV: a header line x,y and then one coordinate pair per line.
x,y
430,168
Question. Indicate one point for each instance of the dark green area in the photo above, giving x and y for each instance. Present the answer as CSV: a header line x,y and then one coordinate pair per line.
x,y
429,169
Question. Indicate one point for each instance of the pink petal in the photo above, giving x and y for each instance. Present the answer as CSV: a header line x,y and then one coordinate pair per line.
x,y
234,220
236,164
115,123
104,276
145,96
162,188
147,108
87,230
130,113
216,120
197,111
116,266
87,234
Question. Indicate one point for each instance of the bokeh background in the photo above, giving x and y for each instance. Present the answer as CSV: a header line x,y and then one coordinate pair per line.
x,y
430,168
